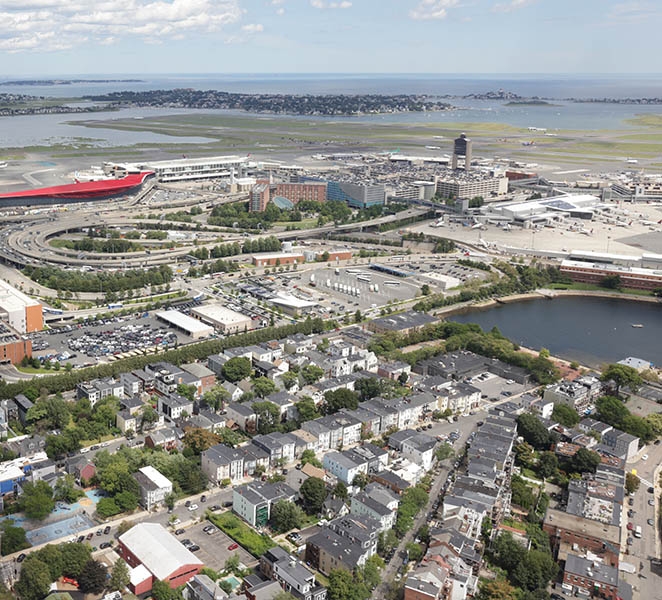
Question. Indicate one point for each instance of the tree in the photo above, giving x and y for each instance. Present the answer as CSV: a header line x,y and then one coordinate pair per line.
x,y
92,578
198,440
35,580
65,490
216,397
313,494
149,417
311,374
340,491
232,563
263,387
344,586
368,387
358,317
13,538
37,500
360,480
611,282
285,516
444,451
585,461
566,415
612,411
307,410
308,457
548,464
161,590
631,484
268,416
414,551
289,379
622,376
107,507
236,369
521,493
387,541
498,589
533,431
119,577
425,289
372,571
339,399
74,558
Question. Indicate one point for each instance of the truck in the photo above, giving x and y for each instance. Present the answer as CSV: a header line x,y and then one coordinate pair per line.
x,y
637,531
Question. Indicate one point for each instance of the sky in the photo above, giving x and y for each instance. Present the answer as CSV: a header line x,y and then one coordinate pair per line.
x,y
69,37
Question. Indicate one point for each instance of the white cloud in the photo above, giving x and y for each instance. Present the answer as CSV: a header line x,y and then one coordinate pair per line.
x,y
253,28
321,4
512,5
280,12
427,10
62,24
634,12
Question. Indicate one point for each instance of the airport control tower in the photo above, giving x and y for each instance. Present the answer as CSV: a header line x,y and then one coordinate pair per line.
x,y
462,146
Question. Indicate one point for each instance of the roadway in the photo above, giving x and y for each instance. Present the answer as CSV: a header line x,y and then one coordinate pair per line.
x,y
645,580
441,474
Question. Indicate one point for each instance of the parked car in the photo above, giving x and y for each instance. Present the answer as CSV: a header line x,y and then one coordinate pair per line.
x,y
215,507
81,539
630,526
650,522
233,546
21,557
651,490
631,501
193,507
99,531
651,502
105,545
179,531
187,503
194,548
90,536
106,530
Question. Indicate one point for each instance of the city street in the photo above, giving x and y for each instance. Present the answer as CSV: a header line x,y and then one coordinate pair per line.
x,y
466,425
646,578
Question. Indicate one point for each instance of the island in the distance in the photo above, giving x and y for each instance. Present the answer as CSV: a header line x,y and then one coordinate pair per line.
x,y
293,104
43,82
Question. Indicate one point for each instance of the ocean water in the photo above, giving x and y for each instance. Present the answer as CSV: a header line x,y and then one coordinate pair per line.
x,y
546,86
20,132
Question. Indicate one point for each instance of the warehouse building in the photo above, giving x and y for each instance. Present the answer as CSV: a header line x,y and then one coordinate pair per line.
x,y
190,326
222,319
276,259
153,553
21,312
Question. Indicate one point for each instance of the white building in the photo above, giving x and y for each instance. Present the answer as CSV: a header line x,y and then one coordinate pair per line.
x,y
21,312
343,467
186,169
223,319
154,487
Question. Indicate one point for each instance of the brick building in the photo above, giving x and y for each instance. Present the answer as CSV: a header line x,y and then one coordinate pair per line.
x,y
153,553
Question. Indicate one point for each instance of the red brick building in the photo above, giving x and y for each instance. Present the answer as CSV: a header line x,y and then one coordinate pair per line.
x,y
567,531
296,192
150,548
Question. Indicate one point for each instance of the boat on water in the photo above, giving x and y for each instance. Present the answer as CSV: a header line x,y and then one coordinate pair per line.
x,y
637,325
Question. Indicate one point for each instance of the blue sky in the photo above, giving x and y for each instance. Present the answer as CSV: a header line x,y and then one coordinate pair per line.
x,y
54,37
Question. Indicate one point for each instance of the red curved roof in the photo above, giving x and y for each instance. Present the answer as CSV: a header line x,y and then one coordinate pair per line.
x,y
84,189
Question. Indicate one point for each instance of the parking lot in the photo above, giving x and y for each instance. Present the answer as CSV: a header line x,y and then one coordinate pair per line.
x,y
83,343
493,387
214,547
